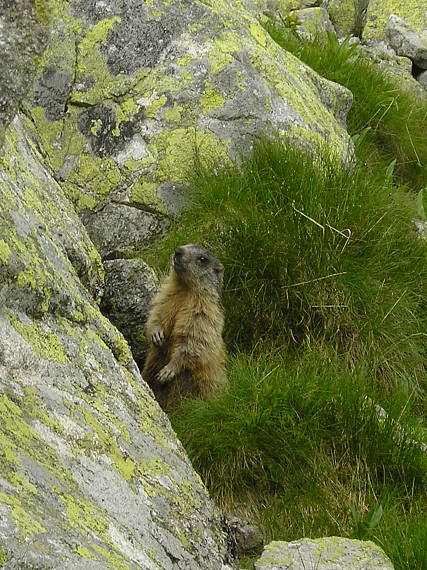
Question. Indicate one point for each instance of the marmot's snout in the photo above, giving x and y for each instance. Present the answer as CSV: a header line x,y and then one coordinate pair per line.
x,y
177,259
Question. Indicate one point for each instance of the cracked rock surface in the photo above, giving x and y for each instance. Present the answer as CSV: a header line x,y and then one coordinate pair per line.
x,y
128,92
91,474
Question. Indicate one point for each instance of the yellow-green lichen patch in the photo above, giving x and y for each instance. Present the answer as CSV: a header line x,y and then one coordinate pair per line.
x,y
5,252
91,64
110,336
103,438
413,12
45,344
7,457
157,104
87,178
36,410
120,349
21,484
96,35
3,557
114,561
343,15
178,148
258,32
173,115
85,553
220,57
210,100
100,175
96,127
144,192
285,6
60,139
48,10
84,515
17,436
27,524
26,279
39,202
80,200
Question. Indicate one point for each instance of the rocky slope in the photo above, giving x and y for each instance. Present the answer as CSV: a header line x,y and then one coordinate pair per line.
x,y
92,168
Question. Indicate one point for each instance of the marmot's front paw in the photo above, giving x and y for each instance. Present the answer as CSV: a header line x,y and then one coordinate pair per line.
x,y
158,337
166,374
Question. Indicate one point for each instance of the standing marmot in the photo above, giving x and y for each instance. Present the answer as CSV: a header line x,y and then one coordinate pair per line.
x,y
187,354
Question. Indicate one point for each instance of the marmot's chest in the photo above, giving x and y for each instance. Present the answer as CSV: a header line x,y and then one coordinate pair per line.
x,y
184,316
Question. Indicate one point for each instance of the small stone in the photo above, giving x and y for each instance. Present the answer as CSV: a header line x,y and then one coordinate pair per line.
x,y
245,536
330,553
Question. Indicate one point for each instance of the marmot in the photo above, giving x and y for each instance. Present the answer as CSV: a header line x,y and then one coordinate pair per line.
x,y
187,354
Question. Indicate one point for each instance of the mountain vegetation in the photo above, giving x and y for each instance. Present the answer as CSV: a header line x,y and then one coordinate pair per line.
x,y
319,431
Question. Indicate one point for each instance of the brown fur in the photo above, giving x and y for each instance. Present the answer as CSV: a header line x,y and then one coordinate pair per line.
x,y
187,354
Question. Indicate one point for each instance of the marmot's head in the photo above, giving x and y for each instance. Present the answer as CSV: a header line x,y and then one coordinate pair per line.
x,y
198,267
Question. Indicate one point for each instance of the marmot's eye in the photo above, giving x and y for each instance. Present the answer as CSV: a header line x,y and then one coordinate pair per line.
x,y
203,260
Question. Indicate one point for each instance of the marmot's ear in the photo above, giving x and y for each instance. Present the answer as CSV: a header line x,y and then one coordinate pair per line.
x,y
219,274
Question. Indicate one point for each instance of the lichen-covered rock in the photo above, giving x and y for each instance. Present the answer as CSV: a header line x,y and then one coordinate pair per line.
x,y
129,287
406,41
120,228
414,12
312,22
128,93
91,474
395,66
331,553
22,37
343,14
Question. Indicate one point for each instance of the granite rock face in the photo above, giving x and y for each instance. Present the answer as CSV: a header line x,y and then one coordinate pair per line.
x,y
129,92
22,37
331,553
312,22
92,475
344,16
407,42
129,287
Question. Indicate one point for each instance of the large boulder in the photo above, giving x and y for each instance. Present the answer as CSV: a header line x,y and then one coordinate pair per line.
x,y
91,473
399,29
130,92
330,553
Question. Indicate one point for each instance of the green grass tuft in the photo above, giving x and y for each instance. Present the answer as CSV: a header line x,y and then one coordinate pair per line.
x,y
298,446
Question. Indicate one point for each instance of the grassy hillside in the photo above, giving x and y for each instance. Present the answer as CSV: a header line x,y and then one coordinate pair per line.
x,y
325,301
